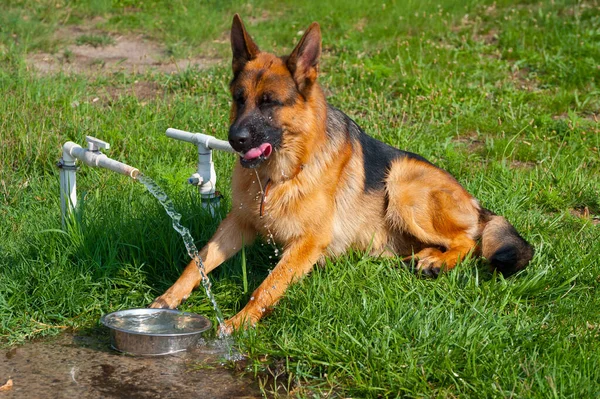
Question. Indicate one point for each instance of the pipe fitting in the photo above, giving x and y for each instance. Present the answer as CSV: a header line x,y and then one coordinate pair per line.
x,y
195,179
90,156
94,158
201,140
205,177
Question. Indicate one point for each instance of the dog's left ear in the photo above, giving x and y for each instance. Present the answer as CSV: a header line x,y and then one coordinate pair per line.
x,y
303,62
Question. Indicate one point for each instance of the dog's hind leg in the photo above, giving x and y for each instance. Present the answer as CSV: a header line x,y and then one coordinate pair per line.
x,y
429,204
225,243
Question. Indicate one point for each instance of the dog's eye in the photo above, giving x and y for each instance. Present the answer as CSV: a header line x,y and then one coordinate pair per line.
x,y
240,100
267,101
238,97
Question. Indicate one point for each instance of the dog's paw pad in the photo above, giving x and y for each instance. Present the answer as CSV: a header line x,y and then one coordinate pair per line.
x,y
428,267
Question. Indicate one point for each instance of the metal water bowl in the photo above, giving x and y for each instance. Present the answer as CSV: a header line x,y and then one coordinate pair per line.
x,y
154,331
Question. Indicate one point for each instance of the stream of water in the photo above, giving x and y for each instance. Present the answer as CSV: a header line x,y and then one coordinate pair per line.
x,y
188,240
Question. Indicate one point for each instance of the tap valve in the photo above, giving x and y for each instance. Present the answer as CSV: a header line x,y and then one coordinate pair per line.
x,y
95,144
195,180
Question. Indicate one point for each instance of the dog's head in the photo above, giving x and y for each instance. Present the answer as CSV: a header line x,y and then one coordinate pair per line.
x,y
270,94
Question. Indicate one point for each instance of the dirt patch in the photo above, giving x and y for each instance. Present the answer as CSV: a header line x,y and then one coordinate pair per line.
x,y
360,25
489,38
584,213
124,53
522,164
561,116
263,17
470,140
593,117
522,79
144,91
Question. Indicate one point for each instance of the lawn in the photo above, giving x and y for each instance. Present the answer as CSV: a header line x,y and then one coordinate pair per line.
x,y
504,95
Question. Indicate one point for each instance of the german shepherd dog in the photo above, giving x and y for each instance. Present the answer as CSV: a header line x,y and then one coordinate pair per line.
x,y
311,179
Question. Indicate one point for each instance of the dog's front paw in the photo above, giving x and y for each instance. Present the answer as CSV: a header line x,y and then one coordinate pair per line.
x,y
225,329
429,266
242,320
166,301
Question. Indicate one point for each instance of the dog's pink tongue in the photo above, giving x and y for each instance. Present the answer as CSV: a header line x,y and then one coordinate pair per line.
x,y
264,149
252,153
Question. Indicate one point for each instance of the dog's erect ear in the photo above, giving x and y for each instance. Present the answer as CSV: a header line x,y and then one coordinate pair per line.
x,y
243,47
303,63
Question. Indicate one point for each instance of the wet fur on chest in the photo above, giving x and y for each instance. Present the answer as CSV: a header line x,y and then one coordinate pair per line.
x,y
340,191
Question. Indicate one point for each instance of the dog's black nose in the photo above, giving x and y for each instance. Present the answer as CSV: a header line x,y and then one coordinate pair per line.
x,y
239,138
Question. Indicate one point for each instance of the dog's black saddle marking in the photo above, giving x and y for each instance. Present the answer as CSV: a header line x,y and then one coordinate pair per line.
x,y
377,156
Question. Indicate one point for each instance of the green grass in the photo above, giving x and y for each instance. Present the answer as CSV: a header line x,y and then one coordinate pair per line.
x,y
503,95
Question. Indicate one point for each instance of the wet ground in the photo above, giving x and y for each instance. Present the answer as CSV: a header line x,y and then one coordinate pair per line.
x,y
81,366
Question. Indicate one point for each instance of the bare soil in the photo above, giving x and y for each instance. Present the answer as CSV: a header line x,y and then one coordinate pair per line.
x,y
133,53
470,140
584,213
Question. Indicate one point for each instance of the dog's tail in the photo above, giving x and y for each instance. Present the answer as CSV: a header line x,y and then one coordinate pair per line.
x,y
502,245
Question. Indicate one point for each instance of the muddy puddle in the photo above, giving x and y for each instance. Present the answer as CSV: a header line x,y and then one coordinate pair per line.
x,y
82,366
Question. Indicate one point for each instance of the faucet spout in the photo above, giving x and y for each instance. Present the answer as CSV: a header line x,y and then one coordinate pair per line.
x,y
95,158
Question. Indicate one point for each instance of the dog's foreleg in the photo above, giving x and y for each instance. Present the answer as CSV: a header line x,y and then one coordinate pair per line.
x,y
225,243
297,261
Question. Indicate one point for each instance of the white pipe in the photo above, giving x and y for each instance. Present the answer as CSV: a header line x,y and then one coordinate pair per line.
x,y
97,159
91,157
208,142
206,171
68,185
205,177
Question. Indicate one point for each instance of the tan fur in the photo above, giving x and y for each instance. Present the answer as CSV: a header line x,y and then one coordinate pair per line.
x,y
317,204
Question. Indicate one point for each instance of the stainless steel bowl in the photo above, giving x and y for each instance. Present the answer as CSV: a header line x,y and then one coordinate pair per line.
x,y
154,331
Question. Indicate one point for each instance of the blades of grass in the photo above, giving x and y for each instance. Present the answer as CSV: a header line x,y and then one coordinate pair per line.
x,y
244,273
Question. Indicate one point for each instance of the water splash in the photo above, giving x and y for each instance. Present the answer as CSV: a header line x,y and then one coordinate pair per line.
x,y
225,342
188,240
